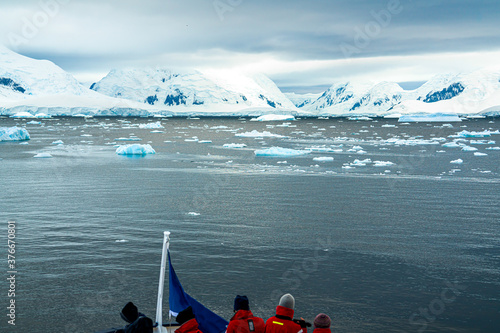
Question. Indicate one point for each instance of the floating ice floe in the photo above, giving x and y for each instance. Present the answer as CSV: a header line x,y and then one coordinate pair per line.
x,y
14,134
280,152
205,141
388,125
468,148
360,118
382,164
234,145
361,162
121,241
474,134
451,145
193,214
257,134
43,155
433,117
480,154
411,142
151,125
58,142
323,159
274,117
321,149
34,122
135,149
493,148
481,142
128,139
457,161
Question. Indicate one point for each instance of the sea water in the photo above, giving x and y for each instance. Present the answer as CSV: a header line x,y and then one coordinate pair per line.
x,y
373,225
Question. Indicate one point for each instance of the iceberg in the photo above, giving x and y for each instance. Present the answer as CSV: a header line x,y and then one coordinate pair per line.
x,y
361,162
13,134
458,161
480,154
234,145
473,134
151,125
468,148
257,134
280,152
323,159
382,163
273,117
451,145
22,114
360,118
43,155
432,117
412,142
135,149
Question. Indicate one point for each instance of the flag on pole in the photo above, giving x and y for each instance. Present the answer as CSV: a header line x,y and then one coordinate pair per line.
x,y
208,322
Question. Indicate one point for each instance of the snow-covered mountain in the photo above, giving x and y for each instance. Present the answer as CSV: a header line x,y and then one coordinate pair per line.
x,y
40,86
302,100
471,93
191,90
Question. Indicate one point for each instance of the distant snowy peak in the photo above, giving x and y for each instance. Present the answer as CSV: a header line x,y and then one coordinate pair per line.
x,y
164,87
467,91
301,100
21,76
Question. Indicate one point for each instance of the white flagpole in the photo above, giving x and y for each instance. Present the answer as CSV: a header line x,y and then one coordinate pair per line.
x,y
159,304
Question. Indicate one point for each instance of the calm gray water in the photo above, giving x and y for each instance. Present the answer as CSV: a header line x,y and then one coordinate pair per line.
x,y
408,247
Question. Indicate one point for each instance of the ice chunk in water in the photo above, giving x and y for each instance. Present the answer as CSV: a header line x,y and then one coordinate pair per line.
x,y
257,134
323,159
13,134
43,155
274,117
135,149
280,152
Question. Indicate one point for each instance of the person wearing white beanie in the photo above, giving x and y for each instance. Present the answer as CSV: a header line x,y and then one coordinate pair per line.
x,y
283,321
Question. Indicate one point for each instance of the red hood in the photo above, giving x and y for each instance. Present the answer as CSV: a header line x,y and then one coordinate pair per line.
x,y
188,326
242,314
282,311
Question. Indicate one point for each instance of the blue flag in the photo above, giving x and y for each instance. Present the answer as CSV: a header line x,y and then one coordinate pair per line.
x,y
208,322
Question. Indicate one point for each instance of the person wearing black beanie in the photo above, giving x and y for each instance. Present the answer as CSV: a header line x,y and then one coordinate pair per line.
x,y
243,320
187,320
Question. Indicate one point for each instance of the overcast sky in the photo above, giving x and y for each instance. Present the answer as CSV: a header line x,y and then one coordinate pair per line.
x,y
308,44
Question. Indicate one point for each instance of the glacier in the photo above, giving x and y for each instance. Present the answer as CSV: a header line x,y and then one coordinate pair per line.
x,y
14,134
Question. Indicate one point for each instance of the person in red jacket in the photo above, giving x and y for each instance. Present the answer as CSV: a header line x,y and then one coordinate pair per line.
x,y
283,321
187,321
322,324
243,320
